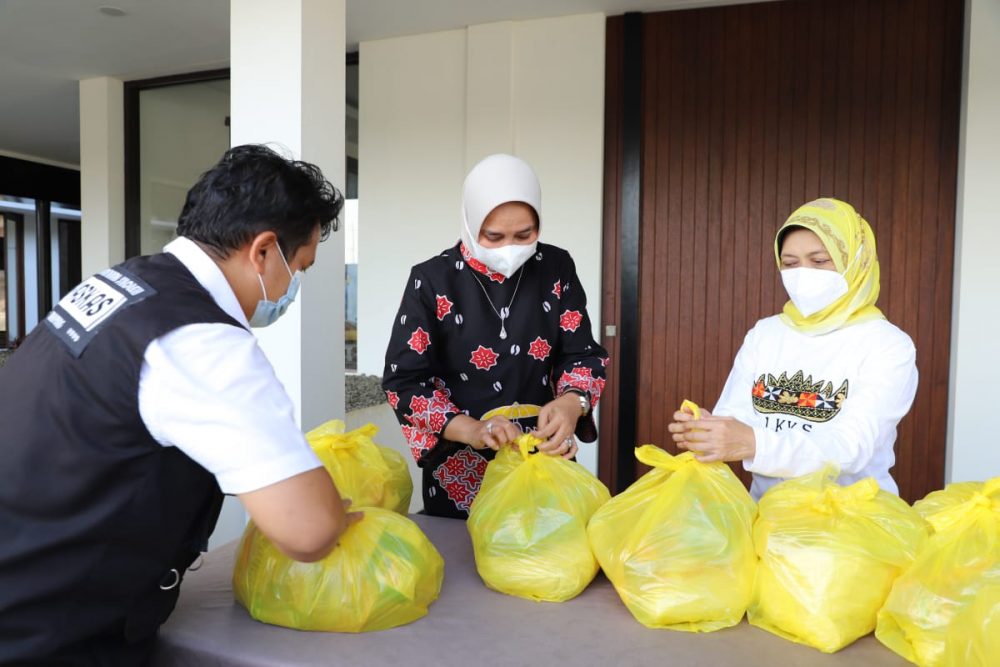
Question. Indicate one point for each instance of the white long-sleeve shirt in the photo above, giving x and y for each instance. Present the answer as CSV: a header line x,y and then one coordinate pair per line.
x,y
812,400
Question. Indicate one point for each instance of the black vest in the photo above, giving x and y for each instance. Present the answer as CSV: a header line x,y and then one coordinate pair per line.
x,y
98,521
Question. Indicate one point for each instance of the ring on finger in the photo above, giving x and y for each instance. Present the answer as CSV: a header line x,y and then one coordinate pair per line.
x,y
489,428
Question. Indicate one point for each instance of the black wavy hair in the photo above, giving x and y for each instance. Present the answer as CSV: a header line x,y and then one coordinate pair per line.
x,y
253,189
785,232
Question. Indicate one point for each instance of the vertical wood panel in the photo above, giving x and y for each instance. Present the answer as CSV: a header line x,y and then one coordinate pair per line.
x,y
751,110
611,279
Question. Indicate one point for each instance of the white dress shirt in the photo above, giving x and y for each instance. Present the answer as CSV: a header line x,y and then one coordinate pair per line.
x,y
208,390
875,359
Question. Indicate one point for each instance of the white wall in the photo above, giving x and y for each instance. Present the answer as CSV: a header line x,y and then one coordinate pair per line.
x,y
432,106
973,451
411,163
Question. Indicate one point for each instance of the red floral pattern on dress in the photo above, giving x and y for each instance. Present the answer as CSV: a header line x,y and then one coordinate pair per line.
x,y
539,349
419,341
582,378
418,404
484,358
443,306
431,413
570,320
595,396
393,398
436,421
461,475
557,289
479,267
420,441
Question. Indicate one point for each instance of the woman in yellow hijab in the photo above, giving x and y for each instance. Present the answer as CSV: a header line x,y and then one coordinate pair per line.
x,y
825,381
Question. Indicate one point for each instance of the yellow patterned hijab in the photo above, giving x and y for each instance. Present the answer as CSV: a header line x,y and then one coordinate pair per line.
x,y
851,244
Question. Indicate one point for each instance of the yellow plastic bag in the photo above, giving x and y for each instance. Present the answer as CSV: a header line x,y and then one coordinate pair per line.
x,y
976,643
828,557
677,544
945,609
529,524
399,484
384,573
370,475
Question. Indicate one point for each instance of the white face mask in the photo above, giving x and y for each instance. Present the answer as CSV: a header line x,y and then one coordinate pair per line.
x,y
506,259
812,290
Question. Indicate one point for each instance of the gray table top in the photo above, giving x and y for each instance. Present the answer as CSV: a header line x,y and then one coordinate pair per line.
x,y
472,625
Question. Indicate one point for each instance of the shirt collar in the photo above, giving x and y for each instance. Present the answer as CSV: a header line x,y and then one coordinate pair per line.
x,y
209,275
479,266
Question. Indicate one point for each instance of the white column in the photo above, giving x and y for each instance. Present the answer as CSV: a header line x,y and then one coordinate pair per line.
x,y
975,359
102,174
288,90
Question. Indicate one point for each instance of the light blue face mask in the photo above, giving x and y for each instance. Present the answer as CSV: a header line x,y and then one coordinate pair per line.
x,y
267,312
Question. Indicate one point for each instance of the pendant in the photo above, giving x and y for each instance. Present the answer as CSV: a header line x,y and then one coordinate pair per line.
x,y
503,328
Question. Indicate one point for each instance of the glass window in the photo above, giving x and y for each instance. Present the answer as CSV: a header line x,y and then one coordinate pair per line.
x,y
183,130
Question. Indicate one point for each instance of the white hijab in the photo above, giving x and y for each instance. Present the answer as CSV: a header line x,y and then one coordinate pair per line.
x,y
496,180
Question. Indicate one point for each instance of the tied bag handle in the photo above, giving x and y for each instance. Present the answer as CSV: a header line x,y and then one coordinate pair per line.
x,y
655,457
525,443
987,499
832,496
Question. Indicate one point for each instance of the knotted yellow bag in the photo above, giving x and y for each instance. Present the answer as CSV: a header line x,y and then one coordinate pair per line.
x,y
370,475
384,573
945,609
529,524
828,557
677,544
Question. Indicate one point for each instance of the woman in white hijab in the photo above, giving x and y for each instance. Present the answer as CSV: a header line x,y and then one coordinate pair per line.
x,y
492,338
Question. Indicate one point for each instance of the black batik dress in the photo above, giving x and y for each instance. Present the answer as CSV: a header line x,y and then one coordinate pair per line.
x,y
446,357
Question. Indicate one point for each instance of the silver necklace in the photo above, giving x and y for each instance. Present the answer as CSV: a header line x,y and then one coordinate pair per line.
x,y
503,313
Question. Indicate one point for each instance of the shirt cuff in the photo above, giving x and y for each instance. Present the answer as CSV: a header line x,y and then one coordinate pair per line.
x,y
758,464
581,379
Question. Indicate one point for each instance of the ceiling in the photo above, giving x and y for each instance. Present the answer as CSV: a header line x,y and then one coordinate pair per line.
x,y
47,46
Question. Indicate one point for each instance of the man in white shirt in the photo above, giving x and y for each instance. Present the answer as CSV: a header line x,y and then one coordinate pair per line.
x,y
139,401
